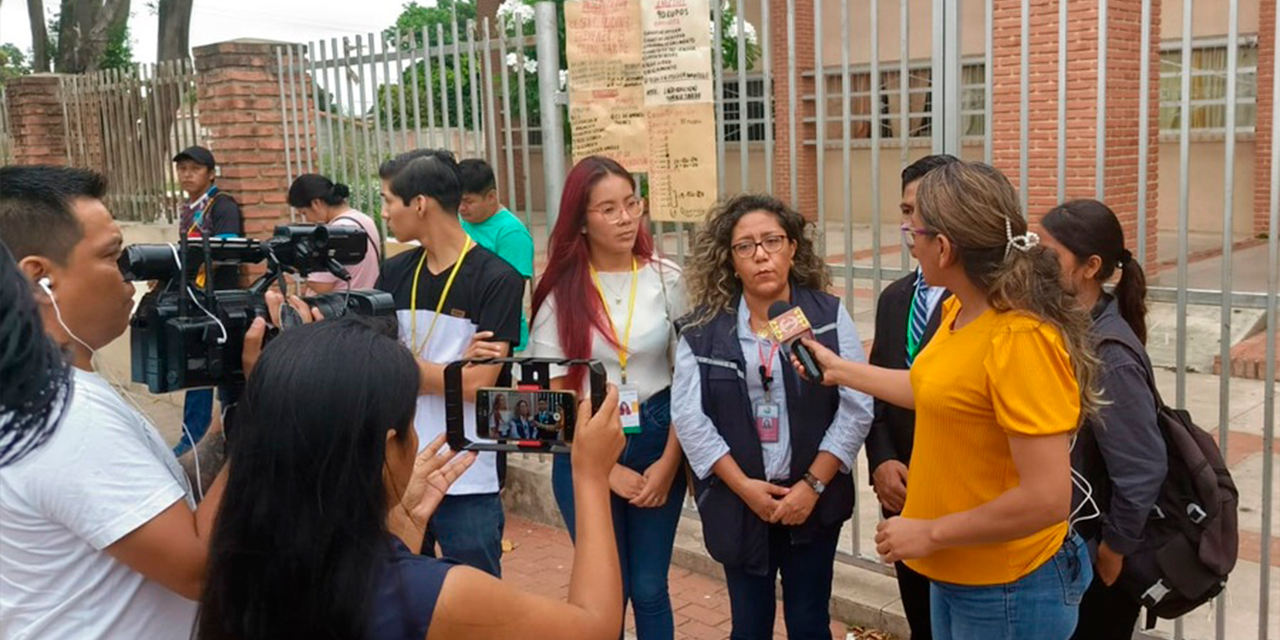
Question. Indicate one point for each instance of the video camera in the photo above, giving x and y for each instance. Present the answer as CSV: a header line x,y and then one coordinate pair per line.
x,y
185,335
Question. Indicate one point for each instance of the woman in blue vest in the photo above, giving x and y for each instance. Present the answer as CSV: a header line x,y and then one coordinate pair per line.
x,y
771,452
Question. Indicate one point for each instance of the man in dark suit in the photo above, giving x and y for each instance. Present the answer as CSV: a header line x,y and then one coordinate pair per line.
x,y
907,316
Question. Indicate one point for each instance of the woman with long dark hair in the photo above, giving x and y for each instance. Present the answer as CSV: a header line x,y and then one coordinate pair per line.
x,y
1119,455
322,201
328,499
606,295
771,453
998,393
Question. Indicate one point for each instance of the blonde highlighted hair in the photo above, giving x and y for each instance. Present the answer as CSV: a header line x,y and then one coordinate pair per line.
x,y
974,206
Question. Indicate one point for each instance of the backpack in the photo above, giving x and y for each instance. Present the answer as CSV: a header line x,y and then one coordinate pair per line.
x,y
1191,538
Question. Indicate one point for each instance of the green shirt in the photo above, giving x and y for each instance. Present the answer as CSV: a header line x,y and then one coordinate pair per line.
x,y
505,235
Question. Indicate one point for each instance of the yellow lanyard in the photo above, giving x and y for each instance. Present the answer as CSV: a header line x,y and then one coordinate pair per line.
x,y
624,339
444,295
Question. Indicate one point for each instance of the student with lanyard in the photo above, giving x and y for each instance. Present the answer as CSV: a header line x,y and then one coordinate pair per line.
x,y
208,212
606,295
771,453
448,292
907,316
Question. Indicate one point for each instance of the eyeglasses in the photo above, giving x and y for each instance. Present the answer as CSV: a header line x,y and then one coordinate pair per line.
x,y
909,234
613,213
747,248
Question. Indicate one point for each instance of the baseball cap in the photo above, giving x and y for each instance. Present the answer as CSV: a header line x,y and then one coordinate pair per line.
x,y
198,155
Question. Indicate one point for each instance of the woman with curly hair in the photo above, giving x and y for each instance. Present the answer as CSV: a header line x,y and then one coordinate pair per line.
x,y
770,451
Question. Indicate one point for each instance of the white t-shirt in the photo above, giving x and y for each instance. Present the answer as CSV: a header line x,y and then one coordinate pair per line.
x,y
104,473
660,301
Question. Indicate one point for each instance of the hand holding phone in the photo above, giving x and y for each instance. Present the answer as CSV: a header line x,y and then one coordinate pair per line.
x,y
599,439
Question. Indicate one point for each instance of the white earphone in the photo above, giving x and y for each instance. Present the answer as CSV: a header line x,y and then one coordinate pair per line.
x,y
46,284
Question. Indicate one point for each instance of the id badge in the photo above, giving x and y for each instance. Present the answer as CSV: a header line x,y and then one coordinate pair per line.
x,y
768,416
629,409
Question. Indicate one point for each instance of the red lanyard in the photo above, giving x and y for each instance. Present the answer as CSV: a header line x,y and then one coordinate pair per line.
x,y
766,365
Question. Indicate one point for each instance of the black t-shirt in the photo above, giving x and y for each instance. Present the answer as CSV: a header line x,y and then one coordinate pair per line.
x,y
487,291
222,217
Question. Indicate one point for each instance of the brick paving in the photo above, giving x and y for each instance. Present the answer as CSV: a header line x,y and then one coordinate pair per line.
x,y
542,556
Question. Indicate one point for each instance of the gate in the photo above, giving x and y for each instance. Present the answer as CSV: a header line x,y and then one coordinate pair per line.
x,y
825,101
129,124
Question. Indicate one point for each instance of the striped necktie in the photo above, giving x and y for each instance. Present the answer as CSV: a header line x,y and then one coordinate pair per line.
x,y
919,318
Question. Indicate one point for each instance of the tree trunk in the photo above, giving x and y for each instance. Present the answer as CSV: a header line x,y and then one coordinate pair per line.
x,y
84,29
39,37
175,30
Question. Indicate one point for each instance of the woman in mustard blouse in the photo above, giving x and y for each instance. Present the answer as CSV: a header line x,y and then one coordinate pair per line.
x,y
998,394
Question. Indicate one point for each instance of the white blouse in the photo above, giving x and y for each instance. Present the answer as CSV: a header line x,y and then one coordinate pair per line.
x,y
661,299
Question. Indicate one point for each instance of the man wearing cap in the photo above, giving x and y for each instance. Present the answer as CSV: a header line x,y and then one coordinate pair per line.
x,y
211,213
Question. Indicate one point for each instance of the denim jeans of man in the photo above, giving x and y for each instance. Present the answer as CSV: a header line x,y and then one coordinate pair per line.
x,y
645,536
469,530
807,569
197,414
1043,605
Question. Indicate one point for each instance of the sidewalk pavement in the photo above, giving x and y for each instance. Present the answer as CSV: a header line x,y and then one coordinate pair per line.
x,y
542,557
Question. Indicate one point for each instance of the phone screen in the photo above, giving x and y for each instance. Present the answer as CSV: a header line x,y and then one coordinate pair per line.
x,y
517,415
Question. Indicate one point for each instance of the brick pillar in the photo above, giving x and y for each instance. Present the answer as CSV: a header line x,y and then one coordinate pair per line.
x,y
806,164
36,119
1262,147
1124,33
239,99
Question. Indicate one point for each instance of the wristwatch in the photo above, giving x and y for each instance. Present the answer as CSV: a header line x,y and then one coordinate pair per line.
x,y
814,483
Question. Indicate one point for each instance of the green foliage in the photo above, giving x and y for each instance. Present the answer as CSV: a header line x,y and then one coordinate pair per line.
x,y
729,40
415,16
119,51
12,63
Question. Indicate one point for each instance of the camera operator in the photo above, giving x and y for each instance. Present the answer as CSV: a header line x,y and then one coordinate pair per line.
x,y
102,535
36,375
344,563
445,292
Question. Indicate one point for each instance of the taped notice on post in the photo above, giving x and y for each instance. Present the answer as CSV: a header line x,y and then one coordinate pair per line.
x,y
641,92
682,166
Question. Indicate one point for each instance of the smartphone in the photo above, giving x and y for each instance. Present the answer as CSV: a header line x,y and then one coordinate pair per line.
x,y
525,415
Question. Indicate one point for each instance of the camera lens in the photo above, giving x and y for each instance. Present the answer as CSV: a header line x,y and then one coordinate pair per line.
x,y
142,262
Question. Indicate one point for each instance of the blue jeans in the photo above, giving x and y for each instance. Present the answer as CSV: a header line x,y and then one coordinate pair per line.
x,y
197,413
1043,605
645,536
469,530
807,570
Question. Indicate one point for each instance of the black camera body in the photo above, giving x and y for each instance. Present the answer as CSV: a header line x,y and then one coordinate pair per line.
x,y
184,337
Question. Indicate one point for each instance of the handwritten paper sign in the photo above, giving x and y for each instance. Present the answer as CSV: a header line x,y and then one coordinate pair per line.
x,y
640,91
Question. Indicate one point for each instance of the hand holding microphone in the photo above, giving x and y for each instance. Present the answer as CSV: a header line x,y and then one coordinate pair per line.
x,y
790,327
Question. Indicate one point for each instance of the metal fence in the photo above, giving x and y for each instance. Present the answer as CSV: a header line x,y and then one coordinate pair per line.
x,y
942,101
351,103
128,124
6,138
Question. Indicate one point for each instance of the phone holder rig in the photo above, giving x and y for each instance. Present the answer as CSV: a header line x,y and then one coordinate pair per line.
x,y
534,373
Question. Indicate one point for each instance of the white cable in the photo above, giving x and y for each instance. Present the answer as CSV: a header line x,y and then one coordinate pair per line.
x,y
1080,482
121,389
221,327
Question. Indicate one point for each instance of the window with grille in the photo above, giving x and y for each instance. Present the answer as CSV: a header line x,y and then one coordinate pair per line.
x,y
757,116
919,102
1208,87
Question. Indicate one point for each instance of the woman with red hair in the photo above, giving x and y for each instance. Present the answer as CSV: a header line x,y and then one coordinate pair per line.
x,y
605,295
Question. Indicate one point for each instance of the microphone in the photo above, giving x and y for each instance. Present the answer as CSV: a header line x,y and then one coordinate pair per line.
x,y
788,325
